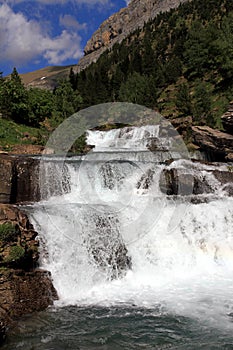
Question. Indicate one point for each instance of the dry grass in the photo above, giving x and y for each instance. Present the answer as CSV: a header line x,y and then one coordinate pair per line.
x,y
45,77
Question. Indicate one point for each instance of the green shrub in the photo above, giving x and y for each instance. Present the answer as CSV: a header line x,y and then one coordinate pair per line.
x,y
7,232
16,253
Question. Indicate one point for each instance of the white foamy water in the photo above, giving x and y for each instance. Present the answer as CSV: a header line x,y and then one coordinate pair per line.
x,y
127,138
181,253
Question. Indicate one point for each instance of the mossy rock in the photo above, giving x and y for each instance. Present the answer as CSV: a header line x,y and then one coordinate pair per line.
x,y
16,253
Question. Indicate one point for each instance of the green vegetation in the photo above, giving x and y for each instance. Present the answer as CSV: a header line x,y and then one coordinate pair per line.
x,y
180,64
16,253
186,53
8,232
12,133
29,116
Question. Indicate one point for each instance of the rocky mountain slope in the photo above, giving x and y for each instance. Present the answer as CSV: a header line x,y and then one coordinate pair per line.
x,y
113,30
45,78
118,26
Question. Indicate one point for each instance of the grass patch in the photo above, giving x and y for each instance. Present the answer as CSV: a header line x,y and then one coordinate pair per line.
x,y
13,134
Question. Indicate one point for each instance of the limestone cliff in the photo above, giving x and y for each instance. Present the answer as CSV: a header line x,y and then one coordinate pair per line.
x,y
122,23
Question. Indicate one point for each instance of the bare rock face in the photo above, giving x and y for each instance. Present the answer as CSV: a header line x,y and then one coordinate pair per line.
x,y
227,119
121,24
24,292
219,144
23,287
18,179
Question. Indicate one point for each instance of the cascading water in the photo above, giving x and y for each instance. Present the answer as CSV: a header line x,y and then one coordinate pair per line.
x,y
113,237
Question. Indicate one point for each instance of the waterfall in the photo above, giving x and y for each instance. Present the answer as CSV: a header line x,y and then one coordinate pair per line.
x,y
113,234
124,138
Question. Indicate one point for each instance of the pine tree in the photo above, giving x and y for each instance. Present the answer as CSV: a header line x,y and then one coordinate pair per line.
x,y
72,79
19,98
202,103
183,100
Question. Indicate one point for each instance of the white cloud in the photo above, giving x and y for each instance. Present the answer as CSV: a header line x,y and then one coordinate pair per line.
x,y
22,40
69,21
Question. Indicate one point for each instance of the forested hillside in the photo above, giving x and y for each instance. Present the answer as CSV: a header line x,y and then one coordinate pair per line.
x,y
180,64
29,115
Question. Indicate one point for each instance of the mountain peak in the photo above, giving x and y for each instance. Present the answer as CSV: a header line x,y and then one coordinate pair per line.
x,y
121,24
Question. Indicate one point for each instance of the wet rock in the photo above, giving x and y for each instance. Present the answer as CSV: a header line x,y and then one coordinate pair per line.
x,y
106,246
18,179
175,181
25,185
23,292
23,287
153,145
146,180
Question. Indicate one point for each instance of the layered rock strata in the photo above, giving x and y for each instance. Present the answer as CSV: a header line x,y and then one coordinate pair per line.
x,y
218,144
18,179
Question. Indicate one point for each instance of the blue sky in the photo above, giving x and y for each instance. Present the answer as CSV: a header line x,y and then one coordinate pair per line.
x,y
39,33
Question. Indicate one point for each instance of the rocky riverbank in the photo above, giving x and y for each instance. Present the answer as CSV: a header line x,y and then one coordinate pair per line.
x,y
24,288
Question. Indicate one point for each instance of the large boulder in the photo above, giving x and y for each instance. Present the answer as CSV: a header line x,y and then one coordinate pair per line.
x,y
190,181
18,179
218,144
